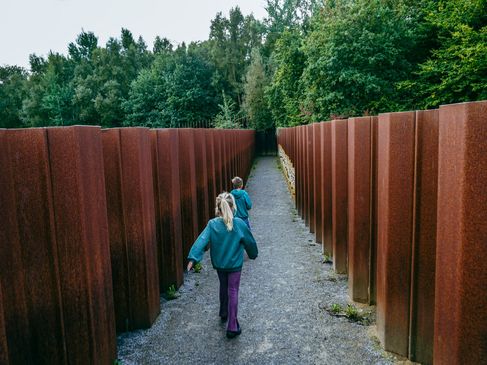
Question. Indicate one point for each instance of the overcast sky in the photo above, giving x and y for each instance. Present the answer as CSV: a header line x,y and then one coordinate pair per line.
x,y
37,26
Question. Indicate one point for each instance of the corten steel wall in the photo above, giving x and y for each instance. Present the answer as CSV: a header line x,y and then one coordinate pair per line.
x,y
297,171
211,165
3,336
201,178
310,172
339,191
461,267
167,201
304,171
317,182
361,208
55,271
218,161
424,237
187,176
326,201
131,224
29,272
395,213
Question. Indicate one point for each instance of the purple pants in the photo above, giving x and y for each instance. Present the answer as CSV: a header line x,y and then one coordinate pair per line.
x,y
229,284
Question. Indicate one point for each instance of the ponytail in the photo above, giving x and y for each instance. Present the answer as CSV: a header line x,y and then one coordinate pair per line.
x,y
225,206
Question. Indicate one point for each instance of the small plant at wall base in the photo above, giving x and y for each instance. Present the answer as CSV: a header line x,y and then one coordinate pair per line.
x,y
336,308
172,293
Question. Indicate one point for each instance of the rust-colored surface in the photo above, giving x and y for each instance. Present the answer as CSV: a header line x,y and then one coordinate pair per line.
x,y
461,267
311,178
375,204
360,202
211,165
78,186
326,211
187,175
318,188
218,161
339,191
29,273
131,224
297,171
304,173
201,178
395,216
3,335
424,237
167,202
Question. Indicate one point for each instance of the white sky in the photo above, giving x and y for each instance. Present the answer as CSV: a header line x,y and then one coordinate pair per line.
x,y
37,26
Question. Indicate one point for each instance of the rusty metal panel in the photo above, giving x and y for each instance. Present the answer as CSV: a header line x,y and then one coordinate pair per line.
x,y
461,267
187,176
375,204
310,178
424,237
3,336
82,239
167,202
29,272
297,172
211,166
317,185
304,171
395,189
326,201
218,160
339,190
201,178
359,207
131,224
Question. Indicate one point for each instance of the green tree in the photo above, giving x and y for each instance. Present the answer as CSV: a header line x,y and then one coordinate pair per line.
x,y
12,92
357,53
457,68
255,104
228,117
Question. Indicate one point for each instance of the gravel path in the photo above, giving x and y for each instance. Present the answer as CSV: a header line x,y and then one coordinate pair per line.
x,y
282,296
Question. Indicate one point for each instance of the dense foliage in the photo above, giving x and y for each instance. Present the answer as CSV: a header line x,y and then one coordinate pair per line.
x,y
307,60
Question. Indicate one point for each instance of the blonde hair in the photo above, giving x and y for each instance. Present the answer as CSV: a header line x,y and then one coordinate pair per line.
x,y
225,208
237,182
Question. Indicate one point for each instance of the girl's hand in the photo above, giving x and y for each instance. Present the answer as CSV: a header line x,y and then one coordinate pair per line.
x,y
190,265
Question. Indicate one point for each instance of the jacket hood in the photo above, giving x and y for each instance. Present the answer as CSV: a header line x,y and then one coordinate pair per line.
x,y
237,193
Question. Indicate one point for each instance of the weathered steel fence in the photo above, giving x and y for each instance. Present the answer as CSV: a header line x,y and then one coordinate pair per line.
x,y
95,224
400,202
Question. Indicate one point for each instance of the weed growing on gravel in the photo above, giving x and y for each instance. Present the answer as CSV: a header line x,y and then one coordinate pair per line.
x,y
172,293
352,313
336,308
327,259
198,267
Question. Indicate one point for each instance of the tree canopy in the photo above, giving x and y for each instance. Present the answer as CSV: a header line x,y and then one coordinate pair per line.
x,y
305,61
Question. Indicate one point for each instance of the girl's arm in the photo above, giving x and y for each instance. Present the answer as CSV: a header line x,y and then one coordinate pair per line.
x,y
249,242
198,249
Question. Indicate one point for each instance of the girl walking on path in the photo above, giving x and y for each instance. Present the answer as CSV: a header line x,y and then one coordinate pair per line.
x,y
227,237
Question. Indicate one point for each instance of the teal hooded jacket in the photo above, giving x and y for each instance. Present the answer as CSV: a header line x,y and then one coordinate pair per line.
x,y
243,202
226,247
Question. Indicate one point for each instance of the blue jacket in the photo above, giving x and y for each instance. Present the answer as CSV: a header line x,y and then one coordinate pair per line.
x,y
226,247
244,204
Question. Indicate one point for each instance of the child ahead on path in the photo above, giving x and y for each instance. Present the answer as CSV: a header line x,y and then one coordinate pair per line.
x,y
228,237
242,199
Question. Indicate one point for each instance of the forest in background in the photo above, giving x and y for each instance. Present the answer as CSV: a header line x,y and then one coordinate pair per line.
x,y
307,61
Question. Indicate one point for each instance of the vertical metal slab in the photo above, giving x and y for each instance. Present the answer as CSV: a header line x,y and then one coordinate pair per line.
x,y
297,171
218,160
424,237
326,200
395,191
311,179
132,230
187,176
339,190
461,267
304,172
211,166
29,272
167,202
3,336
201,178
359,207
317,185
78,186
374,208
